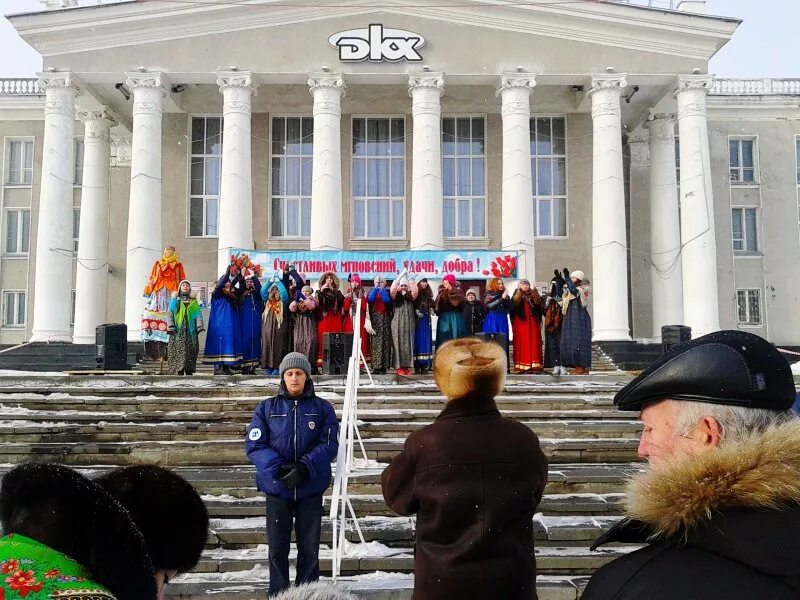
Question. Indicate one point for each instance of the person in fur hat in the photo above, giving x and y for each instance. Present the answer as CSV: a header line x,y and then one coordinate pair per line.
x,y
718,509
449,308
474,480
330,310
66,536
184,324
168,512
315,591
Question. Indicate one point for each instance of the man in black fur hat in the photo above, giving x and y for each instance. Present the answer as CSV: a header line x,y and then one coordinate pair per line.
x,y
169,513
719,508
64,535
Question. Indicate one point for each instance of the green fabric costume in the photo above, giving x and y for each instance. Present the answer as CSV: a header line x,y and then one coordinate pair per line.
x,y
29,569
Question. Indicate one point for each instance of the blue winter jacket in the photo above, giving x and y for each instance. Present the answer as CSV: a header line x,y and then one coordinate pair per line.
x,y
285,430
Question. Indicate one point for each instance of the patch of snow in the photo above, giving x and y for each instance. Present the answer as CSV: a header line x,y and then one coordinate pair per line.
x,y
371,550
796,368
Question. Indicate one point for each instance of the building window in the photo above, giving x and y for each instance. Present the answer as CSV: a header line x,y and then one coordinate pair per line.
x,y
79,162
749,306
379,172
745,230
549,176
20,162
206,161
292,162
464,176
742,160
797,157
14,308
76,227
72,309
18,231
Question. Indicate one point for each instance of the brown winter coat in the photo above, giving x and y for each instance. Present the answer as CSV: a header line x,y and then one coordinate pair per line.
x,y
474,480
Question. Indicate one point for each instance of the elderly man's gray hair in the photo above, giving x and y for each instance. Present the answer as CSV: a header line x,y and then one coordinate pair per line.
x,y
737,422
315,591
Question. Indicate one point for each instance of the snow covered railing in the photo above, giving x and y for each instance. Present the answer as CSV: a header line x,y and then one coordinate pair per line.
x,y
348,433
755,87
20,87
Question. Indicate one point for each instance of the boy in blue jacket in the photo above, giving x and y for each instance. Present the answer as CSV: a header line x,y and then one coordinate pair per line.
x,y
292,440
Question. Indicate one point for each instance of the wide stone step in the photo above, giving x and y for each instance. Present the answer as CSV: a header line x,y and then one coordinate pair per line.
x,y
231,451
550,560
399,531
252,585
228,506
29,431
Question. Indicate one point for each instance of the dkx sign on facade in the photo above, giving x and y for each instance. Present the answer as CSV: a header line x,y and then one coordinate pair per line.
x,y
377,44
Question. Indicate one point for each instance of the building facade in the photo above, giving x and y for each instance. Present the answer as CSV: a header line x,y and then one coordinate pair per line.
x,y
586,135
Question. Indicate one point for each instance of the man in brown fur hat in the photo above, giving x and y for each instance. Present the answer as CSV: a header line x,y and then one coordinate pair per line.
x,y
719,508
474,479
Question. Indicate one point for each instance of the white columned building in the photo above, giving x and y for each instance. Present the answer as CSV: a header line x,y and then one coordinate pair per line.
x,y
51,307
517,231
665,229
91,284
609,236
235,214
144,209
327,223
700,300
427,204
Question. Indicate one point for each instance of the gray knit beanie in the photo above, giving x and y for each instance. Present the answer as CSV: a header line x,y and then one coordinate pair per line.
x,y
295,360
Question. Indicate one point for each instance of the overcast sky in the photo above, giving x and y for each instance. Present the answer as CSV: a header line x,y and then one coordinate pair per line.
x,y
767,43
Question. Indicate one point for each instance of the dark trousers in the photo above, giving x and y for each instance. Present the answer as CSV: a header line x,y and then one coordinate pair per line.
x,y
306,515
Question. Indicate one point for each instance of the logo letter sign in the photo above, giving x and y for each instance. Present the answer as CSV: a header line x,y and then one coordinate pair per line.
x,y
377,44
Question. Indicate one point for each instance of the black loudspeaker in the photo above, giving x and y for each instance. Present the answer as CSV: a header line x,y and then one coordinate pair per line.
x,y
672,335
111,342
498,338
336,350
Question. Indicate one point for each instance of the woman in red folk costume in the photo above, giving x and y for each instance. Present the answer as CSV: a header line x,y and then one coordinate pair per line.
x,y
330,305
351,297
526,326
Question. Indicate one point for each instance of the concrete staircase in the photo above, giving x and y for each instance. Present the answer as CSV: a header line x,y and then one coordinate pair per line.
x,y
196,425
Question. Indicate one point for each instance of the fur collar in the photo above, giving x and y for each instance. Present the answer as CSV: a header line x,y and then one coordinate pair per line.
x,y
762,472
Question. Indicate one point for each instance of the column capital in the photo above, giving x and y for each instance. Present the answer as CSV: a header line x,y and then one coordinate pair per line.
x,y
60,90
144,80
96,125
609,81
148,92
639,144
426,91
101,114
516,80
661,126
326,81
56,80
237,80
694,82
426,81
121,151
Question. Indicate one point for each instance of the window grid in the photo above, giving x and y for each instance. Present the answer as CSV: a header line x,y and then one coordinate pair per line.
x,y
18,231
749,306
76,227
292,172
549,176
744,230
79,152
14,308
742,160
20,162
464,176
205,172
72,308
378,177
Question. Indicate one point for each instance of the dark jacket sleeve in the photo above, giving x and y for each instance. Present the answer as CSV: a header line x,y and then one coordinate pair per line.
x,y
265,459
397,482
319,458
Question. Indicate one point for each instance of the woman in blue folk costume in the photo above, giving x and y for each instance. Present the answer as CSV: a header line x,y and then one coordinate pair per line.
x,y
223,347
250,308
498,305
423,336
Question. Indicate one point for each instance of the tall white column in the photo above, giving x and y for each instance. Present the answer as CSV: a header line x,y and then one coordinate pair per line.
x,y
700,302
327,225
609,237
144,208
665,227
517,192
91,287
52,299
427,206
235,214
638,215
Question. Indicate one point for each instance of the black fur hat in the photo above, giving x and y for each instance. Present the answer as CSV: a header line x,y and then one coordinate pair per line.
x,y
69,513
166,509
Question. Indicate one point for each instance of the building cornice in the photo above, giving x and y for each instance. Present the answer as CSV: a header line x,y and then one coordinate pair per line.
x,y
753,108
116,25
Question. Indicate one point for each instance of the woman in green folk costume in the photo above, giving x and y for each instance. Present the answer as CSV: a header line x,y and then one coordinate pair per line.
x,y
184,324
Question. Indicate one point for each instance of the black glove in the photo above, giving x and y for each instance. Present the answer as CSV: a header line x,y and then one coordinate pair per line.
x,y
566,273
297,474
